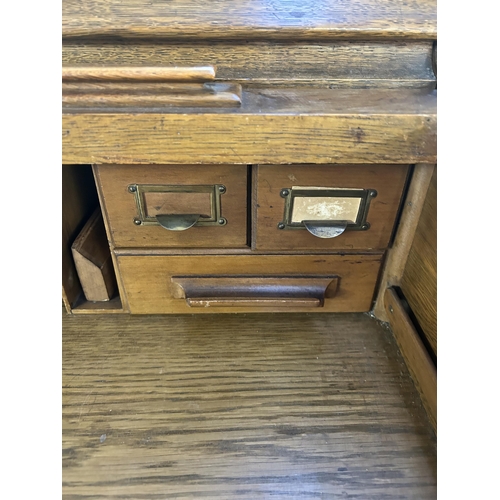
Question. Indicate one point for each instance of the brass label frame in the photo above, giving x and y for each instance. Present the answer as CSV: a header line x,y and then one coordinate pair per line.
x,y
289,195
215,191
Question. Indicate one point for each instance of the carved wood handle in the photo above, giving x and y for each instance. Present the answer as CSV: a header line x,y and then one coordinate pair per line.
x,y
252,291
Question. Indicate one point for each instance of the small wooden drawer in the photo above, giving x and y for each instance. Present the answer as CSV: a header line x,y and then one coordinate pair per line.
x,y
249,283
327,207
162,206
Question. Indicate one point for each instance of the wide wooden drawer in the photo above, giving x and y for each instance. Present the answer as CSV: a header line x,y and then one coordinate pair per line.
x,y
166,206
358,201
162,284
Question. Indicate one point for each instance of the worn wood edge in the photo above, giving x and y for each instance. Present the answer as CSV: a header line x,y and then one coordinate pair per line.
x,y
75,35
397,255
335,138
141,73
417,359
67,305
113,306
130,251
100,195
147,95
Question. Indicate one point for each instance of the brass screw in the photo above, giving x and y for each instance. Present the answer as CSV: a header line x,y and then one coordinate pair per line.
x,y
284,193
221,221
137,222
281,225
222,189
132,189
391,310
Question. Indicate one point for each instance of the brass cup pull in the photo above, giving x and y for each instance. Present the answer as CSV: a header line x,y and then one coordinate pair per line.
x,y
177,222
326,229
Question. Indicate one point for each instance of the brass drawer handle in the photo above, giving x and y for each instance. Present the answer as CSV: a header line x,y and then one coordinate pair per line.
x,y
255,291
150,198
326,212
176,222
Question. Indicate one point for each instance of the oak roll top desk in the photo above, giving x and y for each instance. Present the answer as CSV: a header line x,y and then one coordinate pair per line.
x,y
252,156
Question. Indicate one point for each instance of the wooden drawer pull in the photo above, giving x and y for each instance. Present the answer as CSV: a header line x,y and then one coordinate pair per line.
x,y
252,291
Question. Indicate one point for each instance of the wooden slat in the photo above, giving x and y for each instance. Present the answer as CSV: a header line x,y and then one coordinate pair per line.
x,y
397,255
418,361
254,19
335,64
138,73
310,126
419,280
240,407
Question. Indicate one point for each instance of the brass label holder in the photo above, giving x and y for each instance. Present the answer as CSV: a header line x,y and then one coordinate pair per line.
x,y
178,222
326,215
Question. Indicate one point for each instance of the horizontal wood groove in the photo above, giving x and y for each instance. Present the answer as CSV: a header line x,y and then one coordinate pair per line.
x,y
418,361
245,302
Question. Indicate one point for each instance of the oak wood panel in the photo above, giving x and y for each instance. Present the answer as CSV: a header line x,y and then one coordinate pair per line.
x,y
272,126
250,19
341,63
397,255
387,180
240,407
121,209
79,200
418,361
149,287
419,281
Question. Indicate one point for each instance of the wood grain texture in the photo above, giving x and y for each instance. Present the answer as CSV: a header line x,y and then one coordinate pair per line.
x,y
143,95
335,64
272,126
250,19
240,407
149,287
419,281
397,255
418,361
120,205
387,180
138,73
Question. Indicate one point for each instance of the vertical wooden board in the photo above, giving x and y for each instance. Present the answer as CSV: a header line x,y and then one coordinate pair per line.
x,y
79,200
419,282
418,361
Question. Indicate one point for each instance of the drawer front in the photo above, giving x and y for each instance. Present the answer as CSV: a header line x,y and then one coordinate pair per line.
x,y
165,206
249,283
327,207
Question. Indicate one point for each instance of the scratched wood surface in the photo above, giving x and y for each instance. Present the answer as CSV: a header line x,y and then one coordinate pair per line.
x,y
240,407
254,19
271,126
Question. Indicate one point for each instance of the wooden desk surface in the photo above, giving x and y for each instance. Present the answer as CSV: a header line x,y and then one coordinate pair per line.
x,y
241,407
254,19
